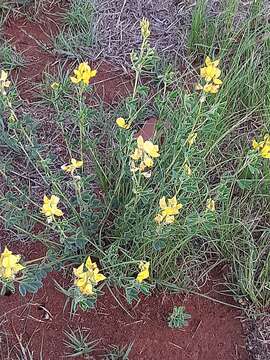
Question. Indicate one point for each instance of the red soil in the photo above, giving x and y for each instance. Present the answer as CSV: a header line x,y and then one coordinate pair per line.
x,y
34,40
214,331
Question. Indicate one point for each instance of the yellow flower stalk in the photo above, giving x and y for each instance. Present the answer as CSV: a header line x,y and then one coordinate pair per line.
x,y
87,279
145,31
169,209
83,74
144,271
145,152
210,73
70,168
263,147
121,122
4,82
49,207
211,70
9,264
210,205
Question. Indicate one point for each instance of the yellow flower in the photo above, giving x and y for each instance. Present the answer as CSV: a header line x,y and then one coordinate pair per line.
x,y
210,73
121,122
212,88
49,208
83,74
86,280
145,152
191,138
55,85
187,169
83,281
144,271
75,164
169,209
145,31
263,146
4,82
211,70
9,264
148,147
210,205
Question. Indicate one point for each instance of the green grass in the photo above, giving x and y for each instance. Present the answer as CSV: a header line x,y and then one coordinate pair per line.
x,y
118,229
10,58
78,34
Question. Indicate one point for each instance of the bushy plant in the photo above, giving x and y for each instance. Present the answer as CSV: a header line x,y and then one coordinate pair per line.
x,y
135,212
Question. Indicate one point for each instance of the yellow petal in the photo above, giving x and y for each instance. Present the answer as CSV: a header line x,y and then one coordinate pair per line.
x,y
136,155
187,170
159,218
144,273
172,202
74,80
87,289
191,138
54,200
255,144
90,265
93,73
122,123
99,277
208,61
78,271
151,149
162,203
169,219
55,85
217,81
4,75
58,212
146,174
265,152
148,161
210,205
140,142
198,87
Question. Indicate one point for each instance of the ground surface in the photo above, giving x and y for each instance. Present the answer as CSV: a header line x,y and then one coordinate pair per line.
x,y
215,330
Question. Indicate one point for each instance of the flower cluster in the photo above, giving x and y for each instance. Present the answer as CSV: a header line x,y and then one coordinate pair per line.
x,y
50,209
263,146
169,209
87,276
4,82
145,152
70,168
144,271
83,74
9,264
210,73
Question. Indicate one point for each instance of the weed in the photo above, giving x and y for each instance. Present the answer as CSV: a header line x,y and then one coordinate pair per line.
x,y
178,318
118,352
79,343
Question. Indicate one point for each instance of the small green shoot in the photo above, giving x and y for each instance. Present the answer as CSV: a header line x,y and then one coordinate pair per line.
x,y
178,318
